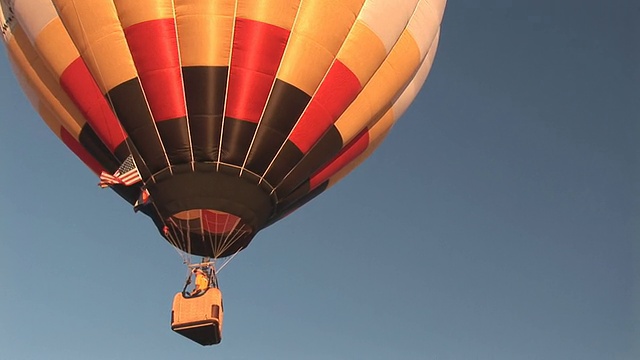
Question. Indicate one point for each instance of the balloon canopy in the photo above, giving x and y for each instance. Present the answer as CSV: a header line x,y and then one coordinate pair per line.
x,y
234,112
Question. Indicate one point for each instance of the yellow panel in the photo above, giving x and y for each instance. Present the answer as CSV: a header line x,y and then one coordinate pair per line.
x,y
55,45
26,76
137,11
96,31
383,88
41,87
280,13
328,21
305,64
413,88
318,34
362,40
382,125
205,30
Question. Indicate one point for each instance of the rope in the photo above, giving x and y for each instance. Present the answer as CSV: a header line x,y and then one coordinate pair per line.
x,y
228,261
231,238
186,283
172,237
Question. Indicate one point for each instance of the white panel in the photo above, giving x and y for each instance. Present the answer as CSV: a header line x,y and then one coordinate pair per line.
x,y
425,23
34,15
387,19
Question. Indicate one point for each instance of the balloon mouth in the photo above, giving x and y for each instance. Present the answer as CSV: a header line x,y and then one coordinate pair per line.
x,y
216,198
209,212
208,232
209,222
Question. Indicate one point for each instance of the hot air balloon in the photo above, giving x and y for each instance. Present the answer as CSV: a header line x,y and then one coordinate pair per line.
x,y
218,118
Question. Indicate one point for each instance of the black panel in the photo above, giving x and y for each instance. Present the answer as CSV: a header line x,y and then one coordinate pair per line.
x,y
186,190
205,136
130,106
285,106
127,147
122,151
236,138
265,147
294,201
94,146
205,88
326,149
175,139
234,171
286,160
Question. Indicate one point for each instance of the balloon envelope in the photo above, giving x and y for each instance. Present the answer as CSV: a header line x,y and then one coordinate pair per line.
x,y
235,112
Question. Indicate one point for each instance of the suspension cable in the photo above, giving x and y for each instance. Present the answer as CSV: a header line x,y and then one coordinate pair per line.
x,y
228,260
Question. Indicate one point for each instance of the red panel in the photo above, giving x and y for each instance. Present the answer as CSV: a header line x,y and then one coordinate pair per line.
x,y
78,83
337,91
257,51
313,123
80,151
356,147
154,48
218,223
247,94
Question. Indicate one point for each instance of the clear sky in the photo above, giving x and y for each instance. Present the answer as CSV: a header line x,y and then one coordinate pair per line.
x,y
500,220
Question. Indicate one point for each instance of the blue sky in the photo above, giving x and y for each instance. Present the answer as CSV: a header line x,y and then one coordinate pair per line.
x,y
498,221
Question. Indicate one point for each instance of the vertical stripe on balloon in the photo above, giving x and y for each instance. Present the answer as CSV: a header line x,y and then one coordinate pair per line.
x,y
154,49
205,31
254,19
257,50
256,54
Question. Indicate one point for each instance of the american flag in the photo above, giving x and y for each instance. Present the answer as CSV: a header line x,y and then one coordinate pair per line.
x,y
127,174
